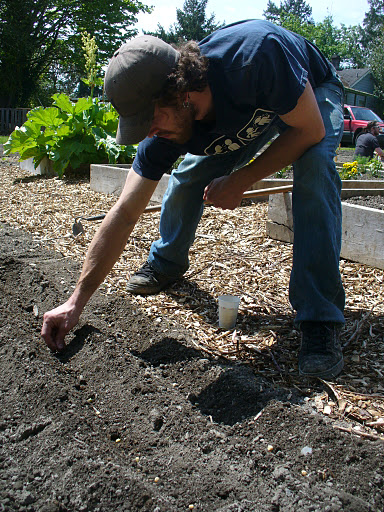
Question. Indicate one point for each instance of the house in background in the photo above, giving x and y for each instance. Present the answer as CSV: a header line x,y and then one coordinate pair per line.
x,y
359,86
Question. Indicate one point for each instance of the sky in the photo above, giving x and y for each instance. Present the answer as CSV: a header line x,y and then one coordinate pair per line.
x,y
348,12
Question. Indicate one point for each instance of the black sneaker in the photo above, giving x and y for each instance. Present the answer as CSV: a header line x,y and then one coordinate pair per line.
x,y
147,281
320,352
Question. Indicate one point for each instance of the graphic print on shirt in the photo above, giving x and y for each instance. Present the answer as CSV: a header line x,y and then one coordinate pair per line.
x,y
253,129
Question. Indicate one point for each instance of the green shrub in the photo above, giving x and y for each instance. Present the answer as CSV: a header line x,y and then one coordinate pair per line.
x,y
70,134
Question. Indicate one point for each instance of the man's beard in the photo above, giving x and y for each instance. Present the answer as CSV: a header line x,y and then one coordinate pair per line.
x,y
184,122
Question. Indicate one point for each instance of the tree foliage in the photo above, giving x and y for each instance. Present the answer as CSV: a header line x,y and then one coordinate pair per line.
x,y
358,46
298,9
40,41
355,54
372,23
192,23
368,48
295,15
375,62
331,40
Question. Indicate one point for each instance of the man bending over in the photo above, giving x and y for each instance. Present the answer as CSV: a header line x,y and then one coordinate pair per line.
x,y
218,102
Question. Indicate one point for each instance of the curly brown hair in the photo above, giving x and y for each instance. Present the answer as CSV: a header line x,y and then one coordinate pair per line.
x,y
189,75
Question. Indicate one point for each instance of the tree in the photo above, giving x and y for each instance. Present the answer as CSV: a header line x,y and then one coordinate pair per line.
x,y
40,40
294,24
372,40
192,23
373,22
297,8
331,40
375,62
355,54
367,34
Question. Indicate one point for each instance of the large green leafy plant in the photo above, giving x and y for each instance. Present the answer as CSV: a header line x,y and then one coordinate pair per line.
x,y
70,134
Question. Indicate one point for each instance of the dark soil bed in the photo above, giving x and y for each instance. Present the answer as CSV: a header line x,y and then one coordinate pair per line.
x,y
376,202
132,417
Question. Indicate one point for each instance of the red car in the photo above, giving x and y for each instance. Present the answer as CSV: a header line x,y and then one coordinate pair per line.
x,y
355,120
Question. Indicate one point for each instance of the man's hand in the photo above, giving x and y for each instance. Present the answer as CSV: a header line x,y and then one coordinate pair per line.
x,y
223,193
57,323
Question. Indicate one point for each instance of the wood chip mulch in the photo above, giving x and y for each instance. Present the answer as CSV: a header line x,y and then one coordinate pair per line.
x,y
231,255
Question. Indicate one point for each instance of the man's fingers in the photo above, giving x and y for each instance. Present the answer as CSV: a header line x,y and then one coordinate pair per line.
x,y
47,334
60,335
53,335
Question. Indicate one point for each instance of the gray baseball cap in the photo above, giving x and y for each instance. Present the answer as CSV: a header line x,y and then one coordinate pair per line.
x,y
135,76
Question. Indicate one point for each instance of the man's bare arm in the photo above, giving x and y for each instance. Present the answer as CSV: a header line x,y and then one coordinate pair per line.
x,y
104,250
305,129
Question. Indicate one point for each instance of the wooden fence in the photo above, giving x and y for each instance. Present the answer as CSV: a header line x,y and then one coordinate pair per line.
x,y
10,118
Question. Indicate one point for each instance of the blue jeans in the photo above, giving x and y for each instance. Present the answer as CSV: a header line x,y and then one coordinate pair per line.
x,y
315,290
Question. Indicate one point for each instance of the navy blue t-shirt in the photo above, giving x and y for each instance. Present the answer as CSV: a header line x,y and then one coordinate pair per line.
x,y
257,71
